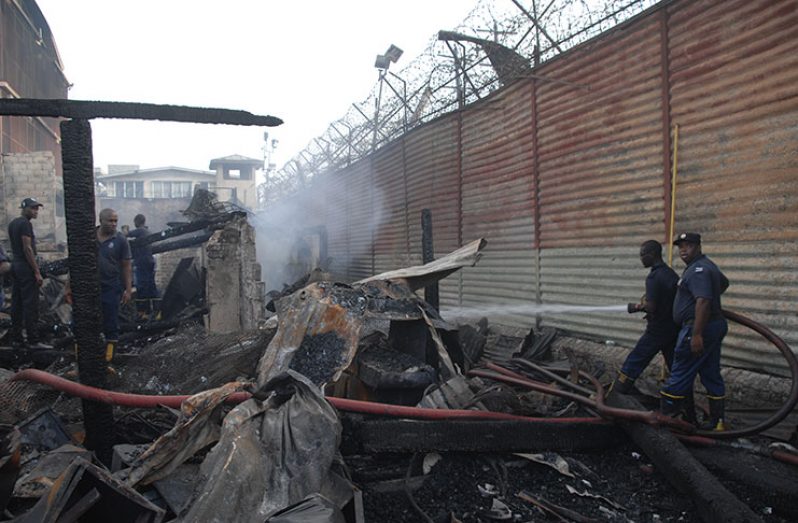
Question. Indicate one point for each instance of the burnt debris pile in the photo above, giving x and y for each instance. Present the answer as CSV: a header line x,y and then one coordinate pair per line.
x,y
361,402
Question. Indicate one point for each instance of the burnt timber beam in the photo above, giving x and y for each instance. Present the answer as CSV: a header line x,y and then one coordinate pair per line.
x,y
88,109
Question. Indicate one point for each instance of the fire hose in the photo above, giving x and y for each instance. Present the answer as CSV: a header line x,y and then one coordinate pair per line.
x,y
495,372
124,399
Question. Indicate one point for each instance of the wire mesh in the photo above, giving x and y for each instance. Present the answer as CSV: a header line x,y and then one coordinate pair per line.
x,y
449,75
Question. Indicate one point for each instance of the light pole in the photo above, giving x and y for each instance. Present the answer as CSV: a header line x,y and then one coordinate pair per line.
x,y
382,63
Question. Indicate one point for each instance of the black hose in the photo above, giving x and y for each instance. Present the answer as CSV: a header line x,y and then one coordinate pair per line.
x,y
792,398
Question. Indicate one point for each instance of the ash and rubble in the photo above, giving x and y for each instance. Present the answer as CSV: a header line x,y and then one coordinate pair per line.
x,y
262,437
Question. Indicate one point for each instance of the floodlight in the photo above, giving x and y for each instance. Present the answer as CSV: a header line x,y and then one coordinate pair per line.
x,y
382,62
393,53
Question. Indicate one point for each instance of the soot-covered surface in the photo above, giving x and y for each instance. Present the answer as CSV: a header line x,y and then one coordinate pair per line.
x,y
319,356
453,487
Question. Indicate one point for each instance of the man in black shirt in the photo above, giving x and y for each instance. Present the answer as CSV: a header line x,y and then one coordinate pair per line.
x,y
27,278
697,309
143,268
660,334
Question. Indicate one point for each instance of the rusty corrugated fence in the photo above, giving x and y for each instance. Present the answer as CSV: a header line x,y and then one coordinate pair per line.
x,y
566,173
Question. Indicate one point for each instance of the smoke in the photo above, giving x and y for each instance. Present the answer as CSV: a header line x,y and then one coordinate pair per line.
x,y
334,219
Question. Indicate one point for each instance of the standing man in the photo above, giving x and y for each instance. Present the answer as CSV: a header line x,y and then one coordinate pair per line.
x,y
661,332
143,268
697,309
5,268
27,278
116,282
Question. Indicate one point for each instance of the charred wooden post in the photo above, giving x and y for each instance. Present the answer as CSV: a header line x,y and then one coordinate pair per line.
x,y
76,151
431,294
713,502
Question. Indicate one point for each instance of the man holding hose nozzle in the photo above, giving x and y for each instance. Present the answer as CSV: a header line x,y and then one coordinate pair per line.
x,y
697,310
657,303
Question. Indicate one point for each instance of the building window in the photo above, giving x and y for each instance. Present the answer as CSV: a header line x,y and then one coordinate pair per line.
x,y
129,189
161,189
234,174
181,189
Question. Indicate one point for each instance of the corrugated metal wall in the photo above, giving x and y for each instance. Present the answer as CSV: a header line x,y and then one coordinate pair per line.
x,y
566,174
498,198
390,195
433,182
600,157
734,94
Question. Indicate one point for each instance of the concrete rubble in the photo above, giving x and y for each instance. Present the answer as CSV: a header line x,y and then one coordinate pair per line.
x,y
358,402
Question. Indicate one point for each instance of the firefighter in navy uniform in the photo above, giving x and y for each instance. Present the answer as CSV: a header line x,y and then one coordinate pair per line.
x,y
116,279
697,309
26,275
661,332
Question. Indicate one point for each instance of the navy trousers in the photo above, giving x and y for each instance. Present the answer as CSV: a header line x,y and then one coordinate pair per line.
x,y
707,365
647,347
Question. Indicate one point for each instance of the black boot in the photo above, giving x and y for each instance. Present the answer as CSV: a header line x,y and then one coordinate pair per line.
x,y
717,411
689,409
673,407
623,384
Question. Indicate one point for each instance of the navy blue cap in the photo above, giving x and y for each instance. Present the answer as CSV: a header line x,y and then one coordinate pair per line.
x,y
690,237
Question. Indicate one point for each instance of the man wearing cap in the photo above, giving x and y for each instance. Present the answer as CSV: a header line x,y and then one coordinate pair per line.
x,y
697,309
27,278
660,334
116,279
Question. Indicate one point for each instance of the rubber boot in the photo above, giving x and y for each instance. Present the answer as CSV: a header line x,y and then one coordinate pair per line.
x,y
622,385
110,347
717,411
689,409
673,407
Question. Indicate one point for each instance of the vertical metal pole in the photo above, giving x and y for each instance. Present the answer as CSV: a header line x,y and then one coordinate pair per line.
x,y
76,152
377,102
431,294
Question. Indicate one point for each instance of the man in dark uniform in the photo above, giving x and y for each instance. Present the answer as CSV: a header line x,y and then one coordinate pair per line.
x,y
143,268
27,278
697,309
5,268
660,334
116,282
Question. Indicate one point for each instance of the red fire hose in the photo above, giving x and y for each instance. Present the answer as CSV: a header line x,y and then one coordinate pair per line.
x,y
123,399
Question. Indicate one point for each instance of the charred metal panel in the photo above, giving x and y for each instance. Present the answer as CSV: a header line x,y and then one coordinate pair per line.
x,y
390,195
499,200
734,95
433,182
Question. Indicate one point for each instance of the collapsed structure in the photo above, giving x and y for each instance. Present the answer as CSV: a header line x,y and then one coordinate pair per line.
x,y
358,399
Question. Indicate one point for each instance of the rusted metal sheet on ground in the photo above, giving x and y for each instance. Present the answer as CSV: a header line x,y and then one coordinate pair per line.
x,y
734,95
389,197
499,200
594,276
362,220
600,142
433,182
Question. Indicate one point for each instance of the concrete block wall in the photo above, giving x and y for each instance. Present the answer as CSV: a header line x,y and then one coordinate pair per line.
x,y
32,175
234,291
166,263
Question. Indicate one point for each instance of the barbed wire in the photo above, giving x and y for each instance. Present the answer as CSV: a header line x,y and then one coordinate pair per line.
x,y
499,40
